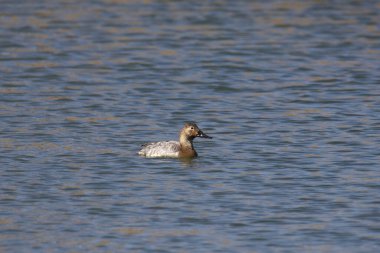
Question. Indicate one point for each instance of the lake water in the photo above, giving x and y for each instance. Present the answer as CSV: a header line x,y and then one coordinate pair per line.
x,y
290,91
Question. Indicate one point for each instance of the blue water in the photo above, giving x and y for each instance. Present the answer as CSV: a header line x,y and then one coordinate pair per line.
x,y
289,91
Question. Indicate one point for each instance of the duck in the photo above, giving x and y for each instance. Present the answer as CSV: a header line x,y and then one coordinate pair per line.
x,y
184,148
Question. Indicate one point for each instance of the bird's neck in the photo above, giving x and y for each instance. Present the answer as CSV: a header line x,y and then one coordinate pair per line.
x,y
185,142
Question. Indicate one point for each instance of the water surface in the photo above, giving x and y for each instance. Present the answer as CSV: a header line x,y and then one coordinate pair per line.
x,y
289,91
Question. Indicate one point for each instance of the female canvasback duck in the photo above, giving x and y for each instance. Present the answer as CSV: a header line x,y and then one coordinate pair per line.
x,y
174,149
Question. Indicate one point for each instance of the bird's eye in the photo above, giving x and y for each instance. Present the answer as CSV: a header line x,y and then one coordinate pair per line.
x,y
192,128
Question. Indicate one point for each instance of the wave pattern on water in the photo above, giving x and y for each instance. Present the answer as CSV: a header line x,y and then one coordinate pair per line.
x,y
289,91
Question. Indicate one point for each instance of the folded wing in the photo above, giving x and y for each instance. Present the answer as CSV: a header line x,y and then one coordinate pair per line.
x,y
160,149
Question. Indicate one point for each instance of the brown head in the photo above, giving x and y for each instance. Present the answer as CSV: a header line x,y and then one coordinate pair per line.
x,y
186,137
191,131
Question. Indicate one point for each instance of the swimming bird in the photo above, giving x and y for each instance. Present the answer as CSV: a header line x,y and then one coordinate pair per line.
x,y
183,148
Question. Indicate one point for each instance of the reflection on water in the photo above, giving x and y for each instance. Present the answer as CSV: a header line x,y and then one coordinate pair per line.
x,y
289,91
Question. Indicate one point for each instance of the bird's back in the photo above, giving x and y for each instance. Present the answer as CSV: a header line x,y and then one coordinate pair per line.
x,y
160,149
